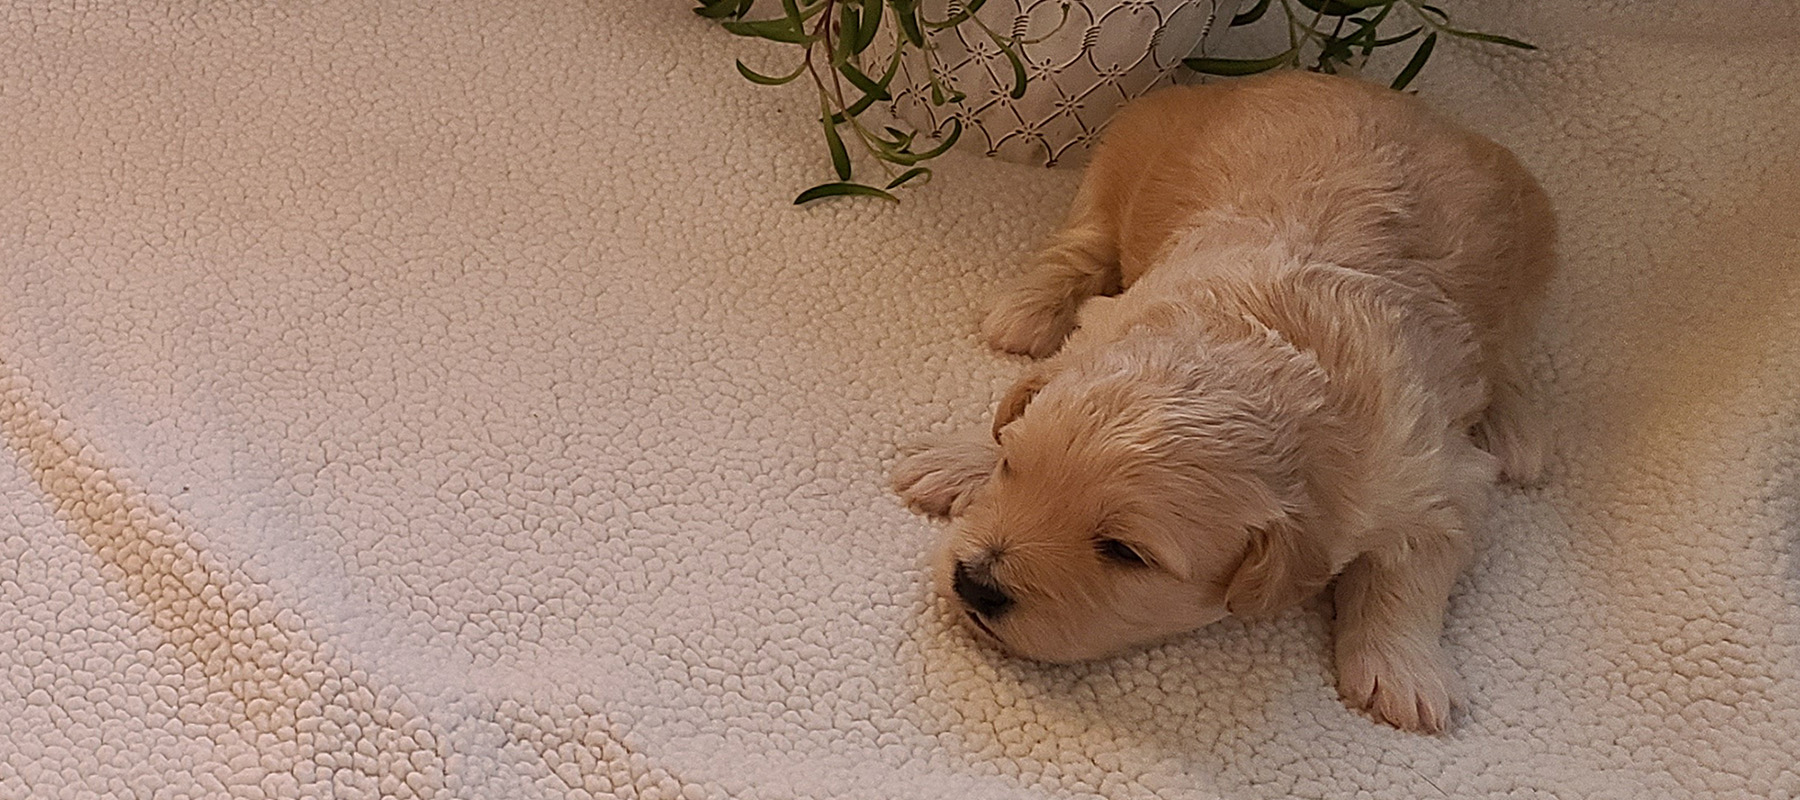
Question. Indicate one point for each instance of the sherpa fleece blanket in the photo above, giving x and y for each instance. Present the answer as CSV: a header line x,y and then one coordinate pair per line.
x,y
442,399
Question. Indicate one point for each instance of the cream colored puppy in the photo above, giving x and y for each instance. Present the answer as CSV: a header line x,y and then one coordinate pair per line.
x,y
1325,290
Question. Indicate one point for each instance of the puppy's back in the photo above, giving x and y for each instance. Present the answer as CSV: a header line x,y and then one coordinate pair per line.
x,y
1341,171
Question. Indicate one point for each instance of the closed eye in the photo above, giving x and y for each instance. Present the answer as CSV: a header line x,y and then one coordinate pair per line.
x,y
1119,552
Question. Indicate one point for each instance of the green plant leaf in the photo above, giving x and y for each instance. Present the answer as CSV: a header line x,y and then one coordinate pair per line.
x,y
757,77
849,23
869,86
717,9
956,130
1392,40
1417,63
898,144
1253,14
1493,38
1018,66
1012,57
873,11
775,30
1366,32
1338,50
1237,66
898,155
906,13
909,175
840,158
1335,52
842,189
1343,8
1440,13
862,104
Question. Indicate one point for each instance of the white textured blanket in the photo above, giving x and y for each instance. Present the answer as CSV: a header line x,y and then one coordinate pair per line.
x,y
440,398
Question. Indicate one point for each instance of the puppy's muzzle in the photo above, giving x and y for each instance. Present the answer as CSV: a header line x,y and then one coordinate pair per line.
x,y
981,595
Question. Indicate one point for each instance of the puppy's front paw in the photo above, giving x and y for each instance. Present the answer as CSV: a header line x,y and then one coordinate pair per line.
x,y
1027,322
1407,686
936,476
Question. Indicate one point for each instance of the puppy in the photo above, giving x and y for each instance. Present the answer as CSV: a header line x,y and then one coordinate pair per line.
x,y
1312,372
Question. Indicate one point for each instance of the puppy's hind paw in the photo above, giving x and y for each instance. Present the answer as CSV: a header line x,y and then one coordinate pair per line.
x,y
936,476
1406,686
1516,433
1522,455
1027,322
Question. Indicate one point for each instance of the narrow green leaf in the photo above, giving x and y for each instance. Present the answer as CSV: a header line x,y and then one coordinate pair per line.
x,y
717,9
887,79
1012,57
899,155
757,77
909,175
873,11
956,130
743,7
895,146
775,30
1338,51
1440,13
1253,14
824,190
848,22
1397,39
1417,63
1365,35
792,10
840,158
1493,38
1337,8
1237,66
1018,66
908,16
877,89
1334,53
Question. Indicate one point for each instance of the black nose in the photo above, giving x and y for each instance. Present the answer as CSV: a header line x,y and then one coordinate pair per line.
x,y
985,598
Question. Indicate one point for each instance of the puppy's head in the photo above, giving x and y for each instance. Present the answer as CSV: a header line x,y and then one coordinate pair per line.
x,y
1142,491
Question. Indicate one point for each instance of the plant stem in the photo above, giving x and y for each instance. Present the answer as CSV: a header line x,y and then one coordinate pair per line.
x,y
1287,10
1424,16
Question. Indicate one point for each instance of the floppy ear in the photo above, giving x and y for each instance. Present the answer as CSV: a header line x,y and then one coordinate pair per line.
x,y
1018,397
1282,566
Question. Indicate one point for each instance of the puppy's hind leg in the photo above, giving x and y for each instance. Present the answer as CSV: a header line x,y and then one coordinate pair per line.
x,y
937,475
1036,313
1513,429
